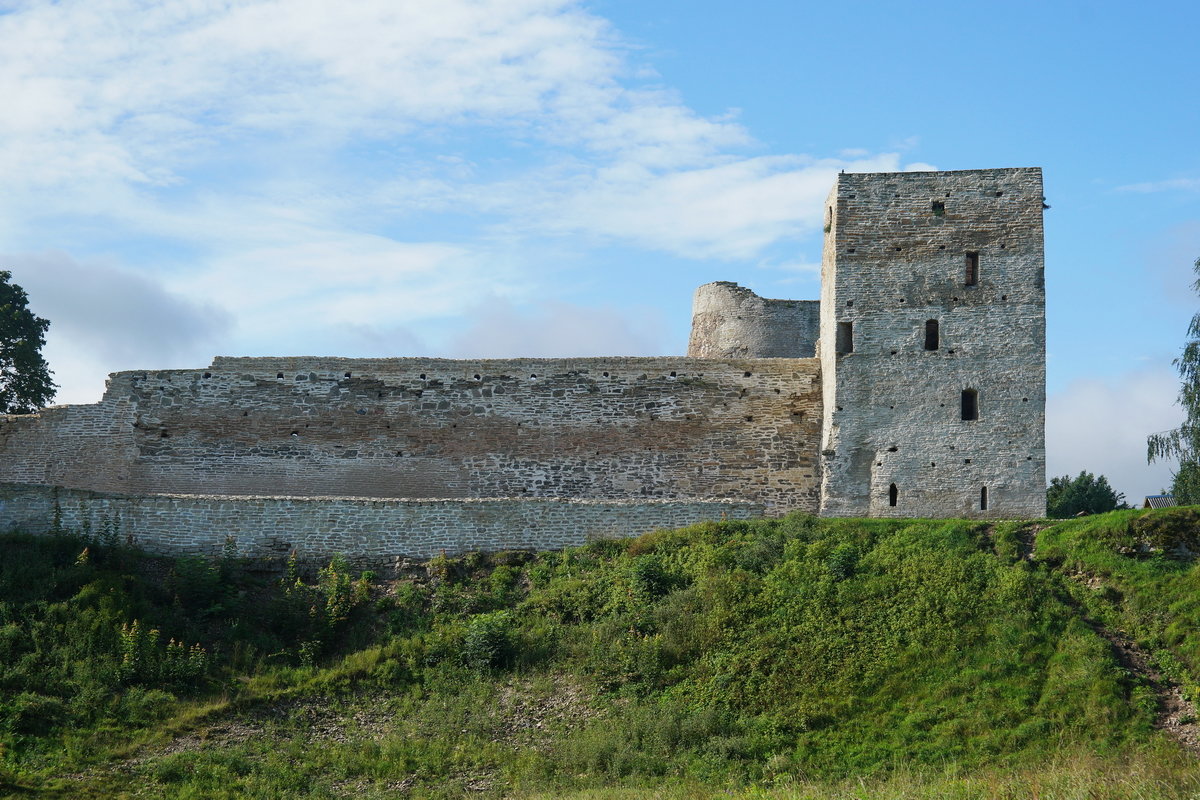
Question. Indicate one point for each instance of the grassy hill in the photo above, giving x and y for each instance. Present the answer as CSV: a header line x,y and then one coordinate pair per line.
x,y
787,658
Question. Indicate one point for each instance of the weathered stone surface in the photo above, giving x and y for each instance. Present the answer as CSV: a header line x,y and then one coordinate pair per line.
x,y
893,410
730,321
369,530
602,428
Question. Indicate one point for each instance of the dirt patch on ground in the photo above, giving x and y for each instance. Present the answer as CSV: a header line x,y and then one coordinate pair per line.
x,y
1176,716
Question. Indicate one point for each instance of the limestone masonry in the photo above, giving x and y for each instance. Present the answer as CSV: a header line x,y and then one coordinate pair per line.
x,y
914,387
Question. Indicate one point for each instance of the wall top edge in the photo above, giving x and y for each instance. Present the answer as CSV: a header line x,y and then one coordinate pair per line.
x,y
319,363
949,173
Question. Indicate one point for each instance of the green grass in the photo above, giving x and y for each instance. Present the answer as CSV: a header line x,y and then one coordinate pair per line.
x,y
786,658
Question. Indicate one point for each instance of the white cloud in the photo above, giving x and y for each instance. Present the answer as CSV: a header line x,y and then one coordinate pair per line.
x,y
1170,185
555,329
1101,425
733,209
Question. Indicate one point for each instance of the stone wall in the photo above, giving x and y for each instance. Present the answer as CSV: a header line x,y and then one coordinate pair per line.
x,y
370,531
895,260
730,321
594,428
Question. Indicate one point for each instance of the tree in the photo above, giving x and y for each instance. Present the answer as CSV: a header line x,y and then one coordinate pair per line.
x,y
1087,492
25,384
1183,443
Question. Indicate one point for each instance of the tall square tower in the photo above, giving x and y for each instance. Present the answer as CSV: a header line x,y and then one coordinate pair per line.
x,y
933,345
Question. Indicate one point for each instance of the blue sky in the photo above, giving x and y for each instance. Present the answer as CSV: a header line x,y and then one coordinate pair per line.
x,y
545,177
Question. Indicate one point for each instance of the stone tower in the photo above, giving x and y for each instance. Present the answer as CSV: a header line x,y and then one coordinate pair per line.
x,y
730,321
932,345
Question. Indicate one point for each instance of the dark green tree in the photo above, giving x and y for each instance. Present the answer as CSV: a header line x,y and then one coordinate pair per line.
x,y
1066,497
25,384
1183,443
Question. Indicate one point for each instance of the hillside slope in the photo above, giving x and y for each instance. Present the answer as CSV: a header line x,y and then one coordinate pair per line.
x,y
908,658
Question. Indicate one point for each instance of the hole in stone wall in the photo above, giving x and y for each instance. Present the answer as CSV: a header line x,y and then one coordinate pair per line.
x,y
941,247
983,498
893,449
933,463
606,374
245,413
971,278
849,249
894,352
849,304
893,495
932,338
278,374
208,374
1001,245
672,374
966,461
476,376
749,419
1003,298
745,374
939,208
296,434
852,196
422,376
897,248
845,338
1024,399
164,435
347,375
999,194
970,404
533,377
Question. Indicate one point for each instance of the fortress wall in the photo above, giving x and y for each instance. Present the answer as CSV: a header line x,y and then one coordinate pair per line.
x,y
730,321
370,531
596,428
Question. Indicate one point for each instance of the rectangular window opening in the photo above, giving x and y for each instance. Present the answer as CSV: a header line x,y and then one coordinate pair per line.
x,y
972,276
939,208
983,499
845,337
893,495
970,404
932,336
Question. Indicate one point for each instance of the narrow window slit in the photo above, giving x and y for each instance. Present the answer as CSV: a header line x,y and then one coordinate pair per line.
x,y
932,336
970,404
845,337
972,271
893,495
983,499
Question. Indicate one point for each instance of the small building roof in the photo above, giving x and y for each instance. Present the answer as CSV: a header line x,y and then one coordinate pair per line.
x,y
1159,501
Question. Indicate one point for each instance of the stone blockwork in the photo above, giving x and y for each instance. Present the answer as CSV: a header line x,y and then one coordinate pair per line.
x,y
926,397
933,289
601,428
730,321
371,531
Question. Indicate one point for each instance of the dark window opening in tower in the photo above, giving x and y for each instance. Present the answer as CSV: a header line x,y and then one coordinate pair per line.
x,y
932,341
983,499
972,276
939,208
845,337
893,495
970,404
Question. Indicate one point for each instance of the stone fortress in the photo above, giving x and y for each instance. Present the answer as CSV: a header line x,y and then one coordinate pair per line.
x,y
914,387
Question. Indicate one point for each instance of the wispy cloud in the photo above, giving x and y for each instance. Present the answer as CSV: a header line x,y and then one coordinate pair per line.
x,y
1169,185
